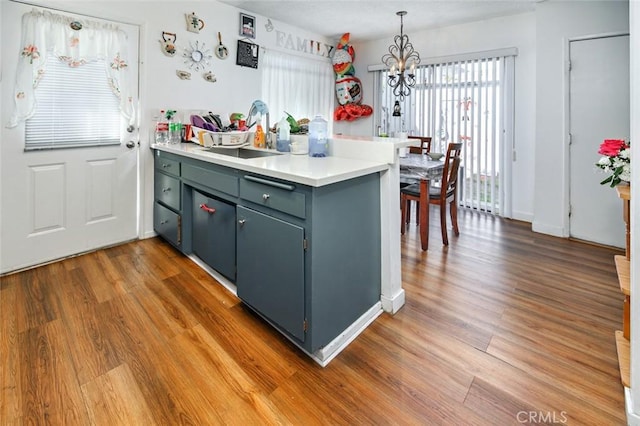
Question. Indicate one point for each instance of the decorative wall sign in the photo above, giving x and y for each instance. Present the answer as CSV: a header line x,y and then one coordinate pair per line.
x,y
295,43
247,54
194,23
247,25
210,77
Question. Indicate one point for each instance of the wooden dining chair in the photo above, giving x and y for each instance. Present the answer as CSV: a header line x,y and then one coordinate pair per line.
x,y
441,196
425,145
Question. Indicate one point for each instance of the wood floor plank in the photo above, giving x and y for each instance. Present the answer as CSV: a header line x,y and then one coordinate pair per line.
x,y
500,322
170,396
10,395
94,354
117,397
49,388
107,281
229,390
242,334
36,302
562,372
498,407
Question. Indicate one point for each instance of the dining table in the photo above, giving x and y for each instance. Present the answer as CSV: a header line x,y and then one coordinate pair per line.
x,y
415,167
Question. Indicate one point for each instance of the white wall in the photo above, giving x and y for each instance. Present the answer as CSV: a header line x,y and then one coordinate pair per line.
x,y
539,170
160,88
556,24
512,31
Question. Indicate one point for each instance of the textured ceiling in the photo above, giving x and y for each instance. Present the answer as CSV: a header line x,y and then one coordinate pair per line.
x,y
375,19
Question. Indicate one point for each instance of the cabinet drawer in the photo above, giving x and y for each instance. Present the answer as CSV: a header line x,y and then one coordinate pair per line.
x,y
167,165
167,224
167,190
275,195
215,180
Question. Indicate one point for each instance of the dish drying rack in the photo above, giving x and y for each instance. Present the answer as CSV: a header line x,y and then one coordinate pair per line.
x,y
208,138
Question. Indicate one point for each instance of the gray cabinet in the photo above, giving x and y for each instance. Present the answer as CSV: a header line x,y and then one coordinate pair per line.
x,y
271,275
307,259
167,208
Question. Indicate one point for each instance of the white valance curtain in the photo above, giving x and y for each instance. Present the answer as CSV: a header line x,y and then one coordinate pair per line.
x,y
45,33
302,87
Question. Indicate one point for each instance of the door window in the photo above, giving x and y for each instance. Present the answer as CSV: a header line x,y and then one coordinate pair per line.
x,y
76,107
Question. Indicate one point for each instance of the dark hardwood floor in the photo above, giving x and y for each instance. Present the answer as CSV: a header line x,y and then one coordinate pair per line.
x,y
501,327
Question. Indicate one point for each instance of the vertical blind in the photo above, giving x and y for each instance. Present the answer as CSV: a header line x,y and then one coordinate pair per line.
x,y
76,107
468,101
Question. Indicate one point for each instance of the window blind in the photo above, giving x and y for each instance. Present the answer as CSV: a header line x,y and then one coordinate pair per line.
x,y
468,101
75,108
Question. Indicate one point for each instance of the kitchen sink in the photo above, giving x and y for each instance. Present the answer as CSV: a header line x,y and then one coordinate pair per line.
x,y
241,152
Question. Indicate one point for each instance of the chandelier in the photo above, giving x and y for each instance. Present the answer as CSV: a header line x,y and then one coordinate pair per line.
x,y
401,62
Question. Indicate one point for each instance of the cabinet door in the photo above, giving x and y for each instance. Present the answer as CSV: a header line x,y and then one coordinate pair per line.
x,y
270,275
214,233
167,224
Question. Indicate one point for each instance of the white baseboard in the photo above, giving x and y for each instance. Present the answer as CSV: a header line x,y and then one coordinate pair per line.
x,y
633,419
215,274
556,231
393,305
325,354
522,216
148,234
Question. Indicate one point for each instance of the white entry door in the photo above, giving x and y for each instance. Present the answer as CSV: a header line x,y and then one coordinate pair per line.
x,y
60,202
599,109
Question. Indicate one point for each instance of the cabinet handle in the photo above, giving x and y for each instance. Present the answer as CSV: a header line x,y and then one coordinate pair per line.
x,y
265,197
207,209
163,222
165,165
270,183
241,222
166,189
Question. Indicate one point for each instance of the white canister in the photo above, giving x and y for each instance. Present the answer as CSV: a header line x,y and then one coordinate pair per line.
x,y
299,144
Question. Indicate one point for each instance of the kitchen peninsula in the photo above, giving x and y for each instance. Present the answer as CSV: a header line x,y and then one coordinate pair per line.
x,y
308,243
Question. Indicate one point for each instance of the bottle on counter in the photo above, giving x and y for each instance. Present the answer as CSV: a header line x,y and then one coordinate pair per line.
x,y
162,129
175,128
258,139
283,138
318,137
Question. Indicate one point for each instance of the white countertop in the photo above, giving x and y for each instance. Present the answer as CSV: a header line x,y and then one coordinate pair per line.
x,y
295,168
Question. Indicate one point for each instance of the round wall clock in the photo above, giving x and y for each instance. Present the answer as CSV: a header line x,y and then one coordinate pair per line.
x,y
196,56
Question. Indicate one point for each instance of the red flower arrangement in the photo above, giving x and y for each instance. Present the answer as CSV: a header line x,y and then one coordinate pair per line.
x,y
616,159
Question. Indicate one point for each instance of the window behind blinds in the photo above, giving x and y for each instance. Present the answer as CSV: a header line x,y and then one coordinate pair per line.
x,y
75,108
468,101
302,87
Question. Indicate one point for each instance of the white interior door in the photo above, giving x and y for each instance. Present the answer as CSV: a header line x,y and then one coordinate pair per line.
x,y
60,202
599,109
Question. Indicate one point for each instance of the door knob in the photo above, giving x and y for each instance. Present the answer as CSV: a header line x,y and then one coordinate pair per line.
x,y
130,128
131,144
